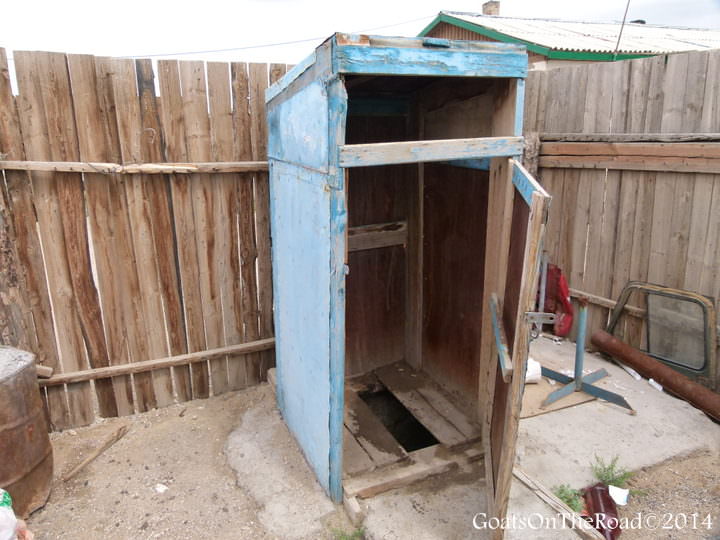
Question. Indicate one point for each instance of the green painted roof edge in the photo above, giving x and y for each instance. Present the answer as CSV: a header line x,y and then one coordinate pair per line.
x,y
533,47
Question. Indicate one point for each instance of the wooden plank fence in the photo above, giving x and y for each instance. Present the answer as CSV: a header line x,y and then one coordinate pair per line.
x,y
103,268
631,207
149,246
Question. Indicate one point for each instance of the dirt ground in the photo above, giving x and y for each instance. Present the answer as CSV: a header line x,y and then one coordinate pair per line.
x,y
226,467
674,491
167,478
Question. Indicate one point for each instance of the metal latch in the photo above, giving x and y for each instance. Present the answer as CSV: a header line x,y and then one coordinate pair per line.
x,y
539,318
536,320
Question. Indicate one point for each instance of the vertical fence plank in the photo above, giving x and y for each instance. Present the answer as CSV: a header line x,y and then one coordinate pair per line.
x,y
93,140
152,341
224,222
710,119
700,235
34,84
709,280
21,213
677,243
64,147
156,190
258,82
197,141
246,224
187,378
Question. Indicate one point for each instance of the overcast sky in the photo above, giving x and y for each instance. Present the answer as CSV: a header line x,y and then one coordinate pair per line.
x,y
155,27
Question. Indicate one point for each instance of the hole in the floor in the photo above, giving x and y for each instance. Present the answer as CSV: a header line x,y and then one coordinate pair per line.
x,y
400,422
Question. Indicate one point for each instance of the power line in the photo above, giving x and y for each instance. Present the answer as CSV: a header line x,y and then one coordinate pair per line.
x,y
10,58
266,45
622,26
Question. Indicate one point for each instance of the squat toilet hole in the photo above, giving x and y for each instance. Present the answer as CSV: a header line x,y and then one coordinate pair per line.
x,y
398,420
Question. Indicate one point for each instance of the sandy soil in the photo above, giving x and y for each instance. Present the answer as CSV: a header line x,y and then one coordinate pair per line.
x,y
674,489
121,495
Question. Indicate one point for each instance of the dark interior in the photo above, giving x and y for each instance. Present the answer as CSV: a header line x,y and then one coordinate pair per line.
x,y
400,422
420,302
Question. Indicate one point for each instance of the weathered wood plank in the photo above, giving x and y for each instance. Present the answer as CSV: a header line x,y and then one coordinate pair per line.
x,y
153,341
364,155
197,141
419,395
632,163
94,139
500,202
355,458
104,168
27,245
574,520
645,149
158,363
159,209
247,246
377,236
173,122
63,145
648,137
369,432
257,83
223,219
32,73
381,481
526,300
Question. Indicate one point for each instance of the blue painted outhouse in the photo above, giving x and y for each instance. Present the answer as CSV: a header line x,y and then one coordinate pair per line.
x,y
405,241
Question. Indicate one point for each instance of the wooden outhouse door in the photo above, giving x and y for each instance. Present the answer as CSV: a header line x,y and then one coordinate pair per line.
x,y
516,225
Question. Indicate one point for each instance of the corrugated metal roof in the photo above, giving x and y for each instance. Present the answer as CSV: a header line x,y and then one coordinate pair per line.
x,y
596,37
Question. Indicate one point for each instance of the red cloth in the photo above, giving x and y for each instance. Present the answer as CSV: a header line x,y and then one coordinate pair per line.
x,y
557,300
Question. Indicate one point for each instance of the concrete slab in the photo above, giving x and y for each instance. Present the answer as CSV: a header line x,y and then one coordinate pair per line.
x,y
554,448
435,509
271,469
558,447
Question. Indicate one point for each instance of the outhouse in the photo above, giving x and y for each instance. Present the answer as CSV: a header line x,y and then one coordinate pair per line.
x,y
405,241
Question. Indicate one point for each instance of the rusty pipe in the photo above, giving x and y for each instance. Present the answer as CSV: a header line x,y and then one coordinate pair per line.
x,y
692,392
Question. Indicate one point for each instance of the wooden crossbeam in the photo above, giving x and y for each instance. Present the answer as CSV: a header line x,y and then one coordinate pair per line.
x,y
377,236
136,168
629,137
646,149
690,157
364,155
149,365
632,163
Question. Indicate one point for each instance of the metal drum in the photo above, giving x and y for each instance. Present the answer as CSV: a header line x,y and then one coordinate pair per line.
x,y
26,461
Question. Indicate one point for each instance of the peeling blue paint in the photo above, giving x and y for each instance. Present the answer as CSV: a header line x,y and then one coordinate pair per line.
x,y
298,131
301,251
523,183
434,62
337,98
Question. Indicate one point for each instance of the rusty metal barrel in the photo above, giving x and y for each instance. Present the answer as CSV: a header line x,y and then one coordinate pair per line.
x,y
26,460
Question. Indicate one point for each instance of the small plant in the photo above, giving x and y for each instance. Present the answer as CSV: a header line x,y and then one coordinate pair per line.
x,y
357,534
611,474
569,496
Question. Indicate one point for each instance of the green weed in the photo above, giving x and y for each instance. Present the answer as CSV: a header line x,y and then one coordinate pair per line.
x,y
569,496
611,474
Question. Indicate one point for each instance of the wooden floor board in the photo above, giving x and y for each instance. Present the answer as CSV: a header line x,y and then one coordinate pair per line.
x,y
421,397
370,433
355,459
